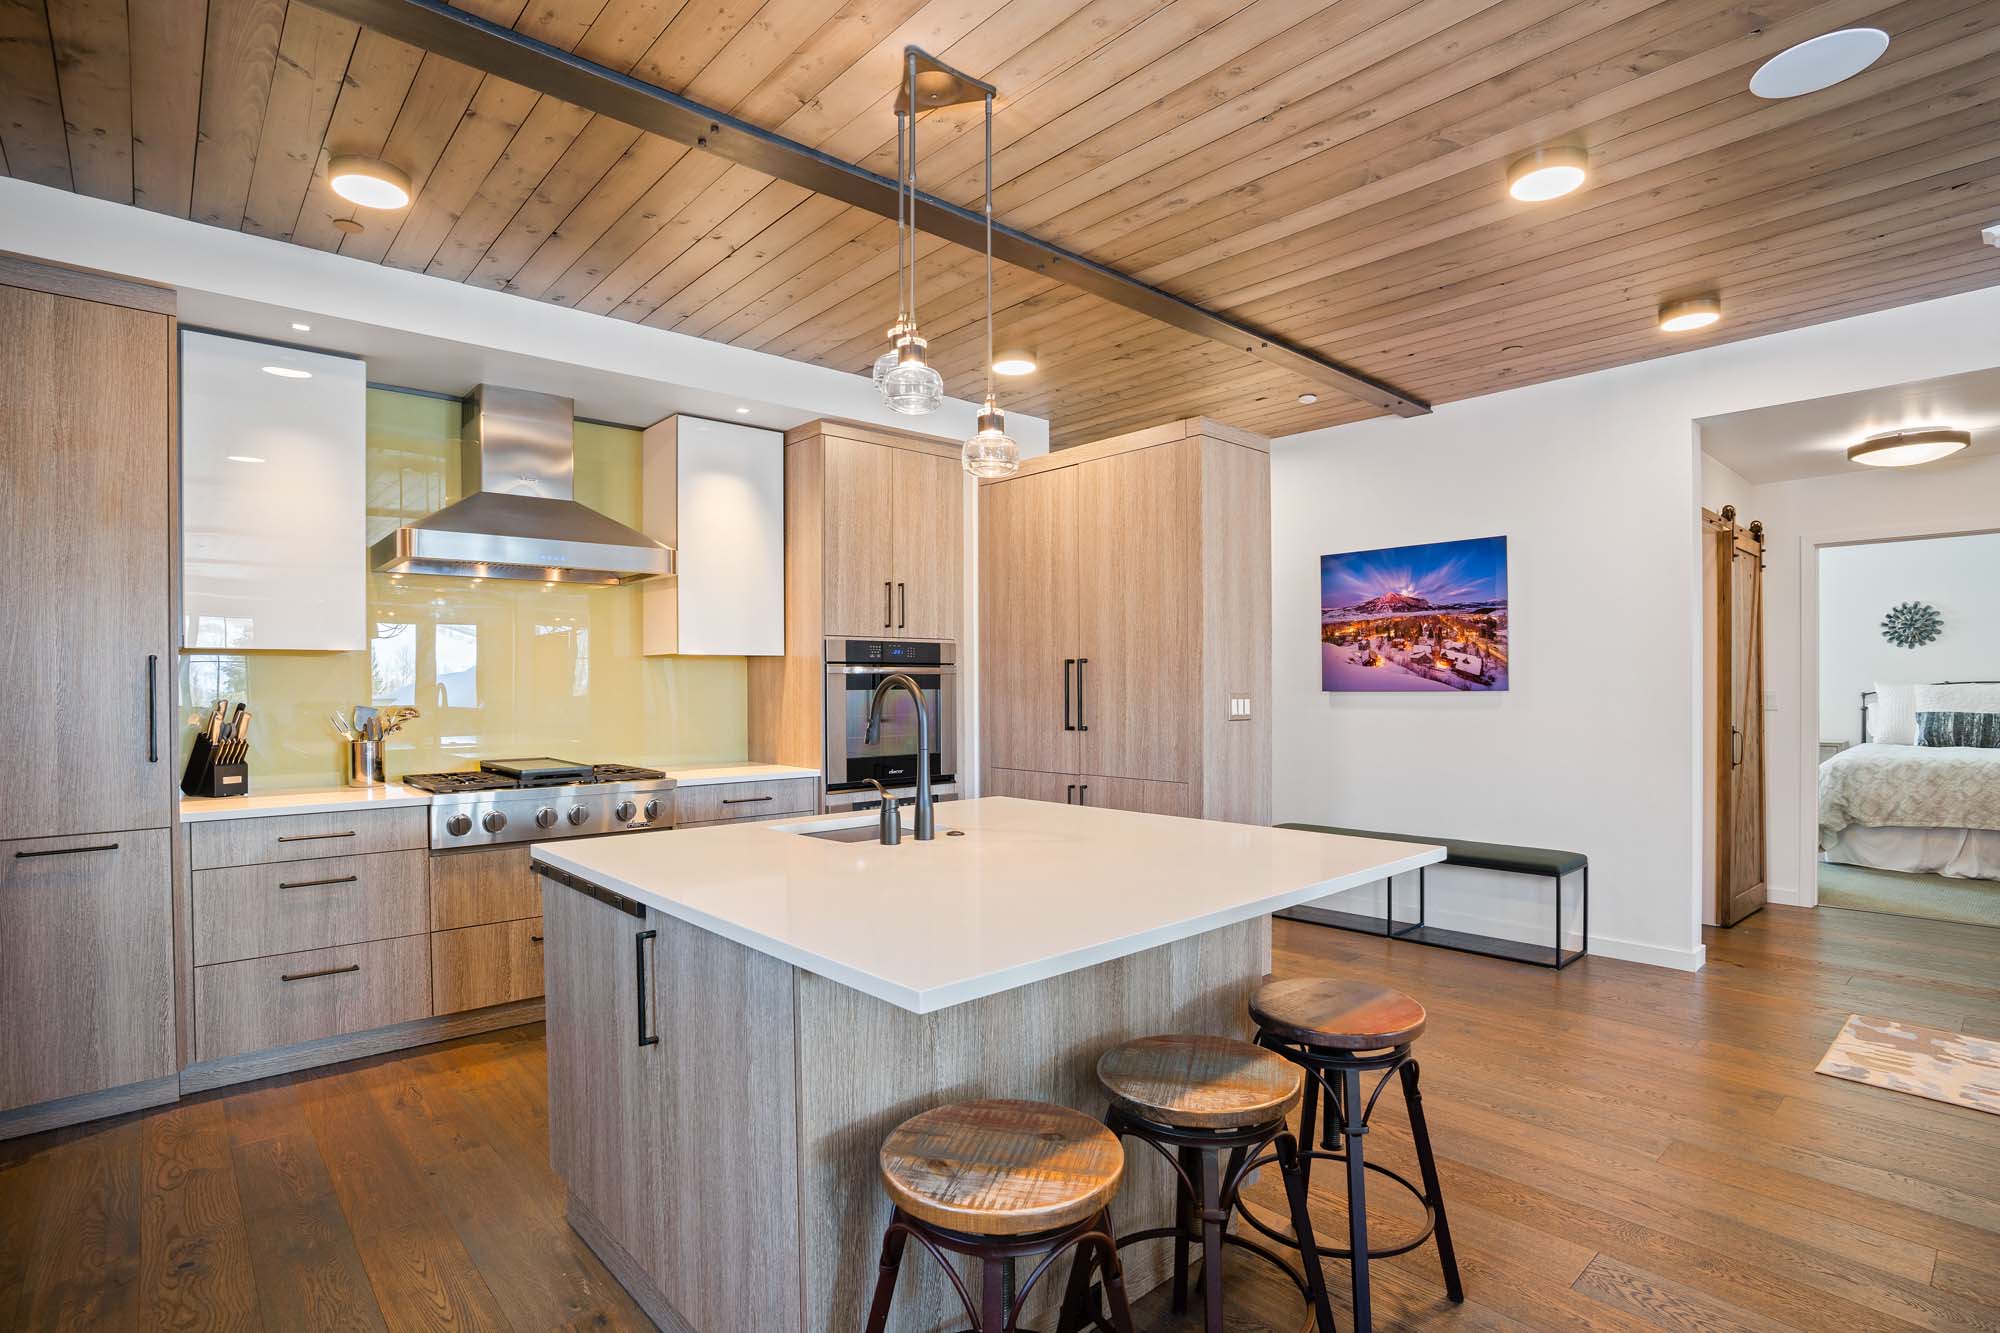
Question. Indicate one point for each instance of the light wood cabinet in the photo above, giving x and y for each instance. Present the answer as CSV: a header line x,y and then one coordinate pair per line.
x,y
308,837
86,965
482,965
1124,603
927,544
285,999
86,646
894,541
488,884
251,911
724,802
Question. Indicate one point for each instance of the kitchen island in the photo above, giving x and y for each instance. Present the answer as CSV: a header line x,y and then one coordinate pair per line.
x,y
737,1016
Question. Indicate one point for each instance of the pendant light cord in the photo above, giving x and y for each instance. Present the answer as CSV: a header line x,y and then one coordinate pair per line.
x,y
902,237
989,250
912,75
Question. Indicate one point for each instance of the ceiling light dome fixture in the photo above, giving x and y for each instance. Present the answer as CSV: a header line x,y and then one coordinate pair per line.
x,y
368,181
1819,63
1014,361
1907,448
1687,316
1547,173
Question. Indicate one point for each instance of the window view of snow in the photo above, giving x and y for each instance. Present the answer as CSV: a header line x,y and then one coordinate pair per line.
x,y
1429,617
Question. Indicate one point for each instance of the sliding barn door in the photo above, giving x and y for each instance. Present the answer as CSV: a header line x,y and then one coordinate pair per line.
x,y
1737,677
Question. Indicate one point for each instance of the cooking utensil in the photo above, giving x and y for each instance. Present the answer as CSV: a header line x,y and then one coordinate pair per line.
x,y
392,719
364,722
341,728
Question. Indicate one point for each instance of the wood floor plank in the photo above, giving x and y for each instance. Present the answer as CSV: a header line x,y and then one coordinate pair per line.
x,y
194,1249
308,1269
85,1270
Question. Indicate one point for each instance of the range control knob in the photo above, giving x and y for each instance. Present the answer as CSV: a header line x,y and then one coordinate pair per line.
x,y
577,814
652,809
494,821
626,810
545,817
458,825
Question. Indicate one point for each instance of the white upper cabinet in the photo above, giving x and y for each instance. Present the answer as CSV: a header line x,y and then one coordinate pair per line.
x,y
273,496
715,492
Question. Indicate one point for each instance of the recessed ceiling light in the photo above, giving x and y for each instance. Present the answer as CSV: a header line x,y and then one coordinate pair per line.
x,y
1547,173
1308,398
244,458
301,328
1819,63
1907,448
1014,362
368,182
288,372
742,411
1684,316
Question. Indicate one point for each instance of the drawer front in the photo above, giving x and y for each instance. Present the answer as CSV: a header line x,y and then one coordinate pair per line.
x,y
250,842
482,965
254,911
86,964
288,998
473,888
745,800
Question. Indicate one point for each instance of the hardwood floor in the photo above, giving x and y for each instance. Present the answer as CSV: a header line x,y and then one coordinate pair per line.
x,y
1622,1148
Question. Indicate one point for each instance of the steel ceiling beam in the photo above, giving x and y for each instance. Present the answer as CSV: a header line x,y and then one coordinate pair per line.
x,y
433,26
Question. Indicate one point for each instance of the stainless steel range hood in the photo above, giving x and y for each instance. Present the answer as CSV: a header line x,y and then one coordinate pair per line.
x,y
518,520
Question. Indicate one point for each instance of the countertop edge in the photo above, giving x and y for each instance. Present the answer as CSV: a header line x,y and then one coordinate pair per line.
x,y
327,800
944,997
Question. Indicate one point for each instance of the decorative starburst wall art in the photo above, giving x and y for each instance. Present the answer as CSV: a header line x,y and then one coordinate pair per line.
x,y
1912,625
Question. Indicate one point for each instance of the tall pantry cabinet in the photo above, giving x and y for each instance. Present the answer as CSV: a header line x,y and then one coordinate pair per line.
x,y
1125,625
86,649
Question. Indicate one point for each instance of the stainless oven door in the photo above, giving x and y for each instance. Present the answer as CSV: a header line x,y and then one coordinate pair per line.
x,y
892,760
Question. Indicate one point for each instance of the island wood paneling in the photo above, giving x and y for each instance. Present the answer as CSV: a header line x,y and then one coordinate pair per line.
x,y
1330,170
865,1066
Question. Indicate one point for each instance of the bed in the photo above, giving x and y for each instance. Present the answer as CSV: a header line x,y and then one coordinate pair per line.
x,y
1931,808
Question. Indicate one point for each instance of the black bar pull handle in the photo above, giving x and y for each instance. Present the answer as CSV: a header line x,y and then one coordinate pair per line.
x,y
1069,665
903,620
1081,663
322,972
745,800
1083,794
152,708
315,883
312,837
639,948
1070,799
68,851
888,604
534,939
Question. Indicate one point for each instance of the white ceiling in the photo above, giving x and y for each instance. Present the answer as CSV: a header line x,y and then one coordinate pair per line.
x,y
1810,438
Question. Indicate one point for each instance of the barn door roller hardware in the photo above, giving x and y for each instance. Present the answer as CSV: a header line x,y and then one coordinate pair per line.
x,y
433,26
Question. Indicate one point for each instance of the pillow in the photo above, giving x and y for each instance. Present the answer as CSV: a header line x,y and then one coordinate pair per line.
x,y
1966,715
1892,718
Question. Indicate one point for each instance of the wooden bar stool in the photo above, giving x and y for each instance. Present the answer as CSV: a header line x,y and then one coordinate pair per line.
x,y
1000,1181
1193,1098
1336,1031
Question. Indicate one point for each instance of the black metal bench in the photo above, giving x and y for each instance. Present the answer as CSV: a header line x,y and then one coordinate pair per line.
x,y
1473,855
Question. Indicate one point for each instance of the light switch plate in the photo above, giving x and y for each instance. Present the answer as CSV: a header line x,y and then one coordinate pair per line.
x,y
1239,708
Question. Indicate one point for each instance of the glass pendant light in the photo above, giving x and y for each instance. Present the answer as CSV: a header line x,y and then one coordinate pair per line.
x,y
911,386
990,452
887,361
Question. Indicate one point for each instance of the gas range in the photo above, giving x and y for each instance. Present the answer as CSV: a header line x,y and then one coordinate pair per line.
x,y
541,799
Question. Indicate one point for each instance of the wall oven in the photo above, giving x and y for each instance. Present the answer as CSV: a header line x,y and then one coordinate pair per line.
x,y
854,667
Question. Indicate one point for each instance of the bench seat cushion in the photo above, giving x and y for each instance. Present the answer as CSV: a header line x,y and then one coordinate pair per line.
x,y
1479,855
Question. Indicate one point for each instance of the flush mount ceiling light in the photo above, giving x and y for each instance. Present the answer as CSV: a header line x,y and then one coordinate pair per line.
x,y
1907,448
288,372
742,411
1819,63
301,328
1547,173
1686,316
1014,361
1309,398
368,181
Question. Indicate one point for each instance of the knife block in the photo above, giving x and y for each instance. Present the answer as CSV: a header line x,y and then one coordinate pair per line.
x,y
206,777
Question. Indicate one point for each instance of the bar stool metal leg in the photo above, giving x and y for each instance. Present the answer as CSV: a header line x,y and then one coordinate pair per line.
x,y
893,1241
1212,1220
1185,1228
1353,1130
1427,1165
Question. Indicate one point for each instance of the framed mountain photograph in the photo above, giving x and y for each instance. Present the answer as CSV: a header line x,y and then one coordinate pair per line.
x,y
1407,618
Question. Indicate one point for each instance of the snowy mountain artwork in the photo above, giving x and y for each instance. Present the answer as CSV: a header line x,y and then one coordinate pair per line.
x,y
1403,618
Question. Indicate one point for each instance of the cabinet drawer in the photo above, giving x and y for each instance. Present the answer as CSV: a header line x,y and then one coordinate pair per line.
x,y
482,965
253,911
249,842
473,888
288,998
745,800
86,964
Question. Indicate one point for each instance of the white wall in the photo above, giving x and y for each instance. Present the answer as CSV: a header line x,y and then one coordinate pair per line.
x,y
1594,480
1957,496
1959,576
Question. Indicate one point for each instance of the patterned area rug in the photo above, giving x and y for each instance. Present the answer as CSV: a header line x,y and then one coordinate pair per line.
x,y
1907,1057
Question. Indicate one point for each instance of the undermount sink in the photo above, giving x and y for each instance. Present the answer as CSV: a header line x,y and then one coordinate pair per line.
x,y
869,832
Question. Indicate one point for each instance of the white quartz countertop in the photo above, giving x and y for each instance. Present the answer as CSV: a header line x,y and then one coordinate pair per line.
x,y
1031,890
299,801
314,800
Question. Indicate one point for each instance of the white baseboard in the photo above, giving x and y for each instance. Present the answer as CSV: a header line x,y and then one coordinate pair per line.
x,y
1631,951
1786,897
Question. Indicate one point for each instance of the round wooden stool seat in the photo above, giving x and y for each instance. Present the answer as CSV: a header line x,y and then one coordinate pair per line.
x,y
1002,1168
1337,1015
1197,1082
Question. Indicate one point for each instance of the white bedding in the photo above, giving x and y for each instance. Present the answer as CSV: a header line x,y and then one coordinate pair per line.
x,y
1961,853
1877,801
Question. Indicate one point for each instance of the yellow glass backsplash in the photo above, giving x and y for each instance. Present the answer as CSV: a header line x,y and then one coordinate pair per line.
x,y
498,668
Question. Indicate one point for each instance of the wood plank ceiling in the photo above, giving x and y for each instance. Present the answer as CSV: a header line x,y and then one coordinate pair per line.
x,y
1332,170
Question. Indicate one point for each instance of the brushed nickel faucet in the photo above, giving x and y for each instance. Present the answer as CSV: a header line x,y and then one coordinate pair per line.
x,y
926,823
